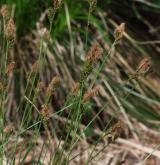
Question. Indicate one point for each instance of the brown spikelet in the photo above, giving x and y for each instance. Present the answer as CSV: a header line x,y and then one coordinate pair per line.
x,y
54,82
91,93
10,29
94,54
117,129
57,4
4,11
91,59
119,31
93,4
45,111
34,67
144,66
7,129
10,68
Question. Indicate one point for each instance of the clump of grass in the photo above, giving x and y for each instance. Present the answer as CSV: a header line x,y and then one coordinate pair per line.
x,y
64,130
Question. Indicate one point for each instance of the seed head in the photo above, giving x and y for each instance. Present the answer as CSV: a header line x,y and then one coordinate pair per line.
x,y
144,66
51,14
117,126
93,4
91,58
117,129
10,68
57,4
115,132
52,85
91,93
10,29
7,129
119,31
45,111
34,67
94,54
4,11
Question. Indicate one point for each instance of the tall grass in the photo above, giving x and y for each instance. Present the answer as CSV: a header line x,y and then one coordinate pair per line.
x,y
46,129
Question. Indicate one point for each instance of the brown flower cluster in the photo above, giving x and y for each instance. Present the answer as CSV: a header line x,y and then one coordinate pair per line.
x,y
91,93
57,4
4,11
52,85
10,68
8,129
91,59
144,66
94,54
45,111
34,67
119,31
117,130
10,29
93,4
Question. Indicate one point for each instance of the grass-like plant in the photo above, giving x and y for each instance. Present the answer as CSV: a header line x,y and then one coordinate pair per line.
x,y
51,117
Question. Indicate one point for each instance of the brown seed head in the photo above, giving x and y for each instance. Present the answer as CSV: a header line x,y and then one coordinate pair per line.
x,y
93,4
45,111
4,11
34,67
91,93
7,129
57,4
54,82
94,54
144,66
117,129
10,68
10,29
119,31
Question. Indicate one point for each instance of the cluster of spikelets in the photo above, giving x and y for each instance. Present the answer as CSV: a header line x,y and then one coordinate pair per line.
x,y
56,5
4,11
49,92
92,57
93,4
10,27
9,33
9,30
